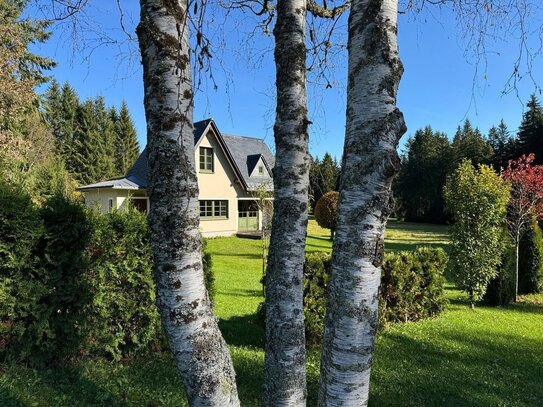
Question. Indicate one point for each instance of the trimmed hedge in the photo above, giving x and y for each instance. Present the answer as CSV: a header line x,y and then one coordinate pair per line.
x,y
411,288
75,283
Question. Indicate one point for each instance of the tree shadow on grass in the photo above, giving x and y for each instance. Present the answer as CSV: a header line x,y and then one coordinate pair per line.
x,y
246,330
457,369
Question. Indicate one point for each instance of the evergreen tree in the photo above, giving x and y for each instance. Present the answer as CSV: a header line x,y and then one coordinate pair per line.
x,y
501,142
127,146
530,134
469,143
419,186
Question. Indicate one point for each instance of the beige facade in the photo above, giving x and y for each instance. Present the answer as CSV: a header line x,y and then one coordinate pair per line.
x,y
226,206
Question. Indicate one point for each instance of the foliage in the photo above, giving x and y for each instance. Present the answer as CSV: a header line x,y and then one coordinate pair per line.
x,y
123,318
316,277
323,177
20,286
127,148
326,211
469,144
412,285
95,141
477,200
530,134
502,144
411,288
501,288
209,275
421,196
74,282
530,278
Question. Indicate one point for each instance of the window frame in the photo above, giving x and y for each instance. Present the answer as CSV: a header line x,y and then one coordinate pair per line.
x,y
208,160
216,208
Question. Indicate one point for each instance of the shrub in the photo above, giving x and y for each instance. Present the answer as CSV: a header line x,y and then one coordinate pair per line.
x,y
501,289
412,285
64,263
411,288
530,278
326,211
477,199
123,316
316,277
20,275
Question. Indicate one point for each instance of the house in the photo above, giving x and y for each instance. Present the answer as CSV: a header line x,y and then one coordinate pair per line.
x,y
232,172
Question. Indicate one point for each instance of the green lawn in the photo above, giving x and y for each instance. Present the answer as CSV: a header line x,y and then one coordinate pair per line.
x,y
486,357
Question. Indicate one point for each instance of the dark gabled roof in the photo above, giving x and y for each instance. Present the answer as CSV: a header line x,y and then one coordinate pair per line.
x,y
246,151
243,154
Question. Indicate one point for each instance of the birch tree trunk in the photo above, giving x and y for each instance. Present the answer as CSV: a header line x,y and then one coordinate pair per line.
x,y
374,127
285,378
200,352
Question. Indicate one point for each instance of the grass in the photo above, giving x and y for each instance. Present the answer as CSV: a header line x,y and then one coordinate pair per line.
x,y
486,357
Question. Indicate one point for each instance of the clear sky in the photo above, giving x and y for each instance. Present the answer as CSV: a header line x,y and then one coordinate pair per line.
x,y
442,85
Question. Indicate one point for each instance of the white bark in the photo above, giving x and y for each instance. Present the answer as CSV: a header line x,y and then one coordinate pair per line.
x,y
374,127
285,379
200,351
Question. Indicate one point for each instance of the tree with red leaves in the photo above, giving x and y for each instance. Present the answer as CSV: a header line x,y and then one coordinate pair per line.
x,y
525,202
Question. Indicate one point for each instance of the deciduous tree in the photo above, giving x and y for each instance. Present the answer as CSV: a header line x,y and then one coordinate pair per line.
x,y
200,351
526,201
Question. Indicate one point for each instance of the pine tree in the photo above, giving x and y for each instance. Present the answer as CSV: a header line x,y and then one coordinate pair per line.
x,y
530,134
127,146
106,139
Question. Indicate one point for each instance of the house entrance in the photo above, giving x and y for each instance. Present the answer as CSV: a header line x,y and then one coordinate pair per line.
x,y
247,216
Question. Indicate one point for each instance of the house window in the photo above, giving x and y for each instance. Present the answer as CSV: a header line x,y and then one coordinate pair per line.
x,y
110,204
206,159
214,209
140,204
260,170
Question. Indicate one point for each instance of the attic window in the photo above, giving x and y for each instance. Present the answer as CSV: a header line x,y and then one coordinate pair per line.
x,y
206,159
260,170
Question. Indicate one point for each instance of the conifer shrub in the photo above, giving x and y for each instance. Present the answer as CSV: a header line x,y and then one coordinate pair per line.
x,y
411,288
74,283
20,275
530,278
412,285
123,318
64,263
501,289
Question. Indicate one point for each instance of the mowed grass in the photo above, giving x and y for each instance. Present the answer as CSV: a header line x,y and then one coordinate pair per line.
x,y
486,357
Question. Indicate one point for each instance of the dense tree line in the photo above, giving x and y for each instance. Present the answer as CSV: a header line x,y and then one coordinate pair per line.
x,y
323,177
431,157
96,142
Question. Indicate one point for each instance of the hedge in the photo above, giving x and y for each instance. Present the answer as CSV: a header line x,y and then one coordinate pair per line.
x,y
411,288
531,261
75,283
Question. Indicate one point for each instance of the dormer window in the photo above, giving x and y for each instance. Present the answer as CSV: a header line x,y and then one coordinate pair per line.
x,y
260,170
206,159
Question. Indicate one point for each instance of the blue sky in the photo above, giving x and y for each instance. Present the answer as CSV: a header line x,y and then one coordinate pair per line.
x,y
442,85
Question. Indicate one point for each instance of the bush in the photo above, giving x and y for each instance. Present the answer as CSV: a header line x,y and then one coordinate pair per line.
x,y
501,289
20,275
74,283
123,316
530,277
64,264
411,288
316,278
326,211
412,285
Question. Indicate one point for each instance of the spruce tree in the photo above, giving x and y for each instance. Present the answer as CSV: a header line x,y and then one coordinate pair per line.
x,y
469,143
500,141
530,134
127,146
